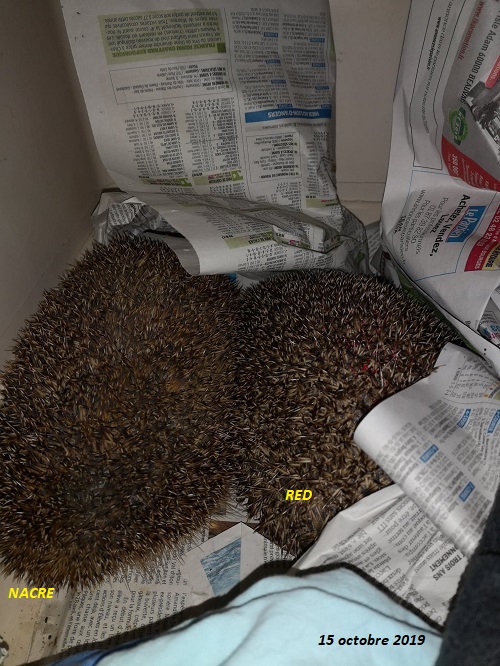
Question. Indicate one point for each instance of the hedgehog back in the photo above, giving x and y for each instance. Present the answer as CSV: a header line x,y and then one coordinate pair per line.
x,y
319,349
109,442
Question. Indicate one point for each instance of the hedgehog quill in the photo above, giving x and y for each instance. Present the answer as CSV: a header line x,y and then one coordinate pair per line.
x,y
109,428
318,350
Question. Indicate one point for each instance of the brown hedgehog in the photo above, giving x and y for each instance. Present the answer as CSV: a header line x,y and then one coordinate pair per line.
x,y
318,351
110,447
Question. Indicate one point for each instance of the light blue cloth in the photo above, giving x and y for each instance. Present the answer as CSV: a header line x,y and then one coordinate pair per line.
x,y
280,620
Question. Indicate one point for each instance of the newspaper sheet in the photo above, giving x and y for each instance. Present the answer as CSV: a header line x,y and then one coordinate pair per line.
x,y
391,539
140,605
224,235
221,116
441,209
439,440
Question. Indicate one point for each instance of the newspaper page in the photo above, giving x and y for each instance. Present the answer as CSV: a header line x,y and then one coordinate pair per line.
x,y
215,235
388,537
198,110
440,441
441,209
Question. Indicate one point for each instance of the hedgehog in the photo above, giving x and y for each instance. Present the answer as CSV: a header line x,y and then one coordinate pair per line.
x,y
317,351
111,445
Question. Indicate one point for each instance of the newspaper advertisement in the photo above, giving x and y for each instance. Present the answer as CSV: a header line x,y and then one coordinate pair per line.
x,y
441,209
388,537
137,604
440,441
221,117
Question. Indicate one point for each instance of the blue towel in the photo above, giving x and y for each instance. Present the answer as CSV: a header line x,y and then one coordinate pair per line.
x,y
333,617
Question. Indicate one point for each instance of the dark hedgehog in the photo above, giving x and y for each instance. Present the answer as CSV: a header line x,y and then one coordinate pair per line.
x,y
318,351
111,447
